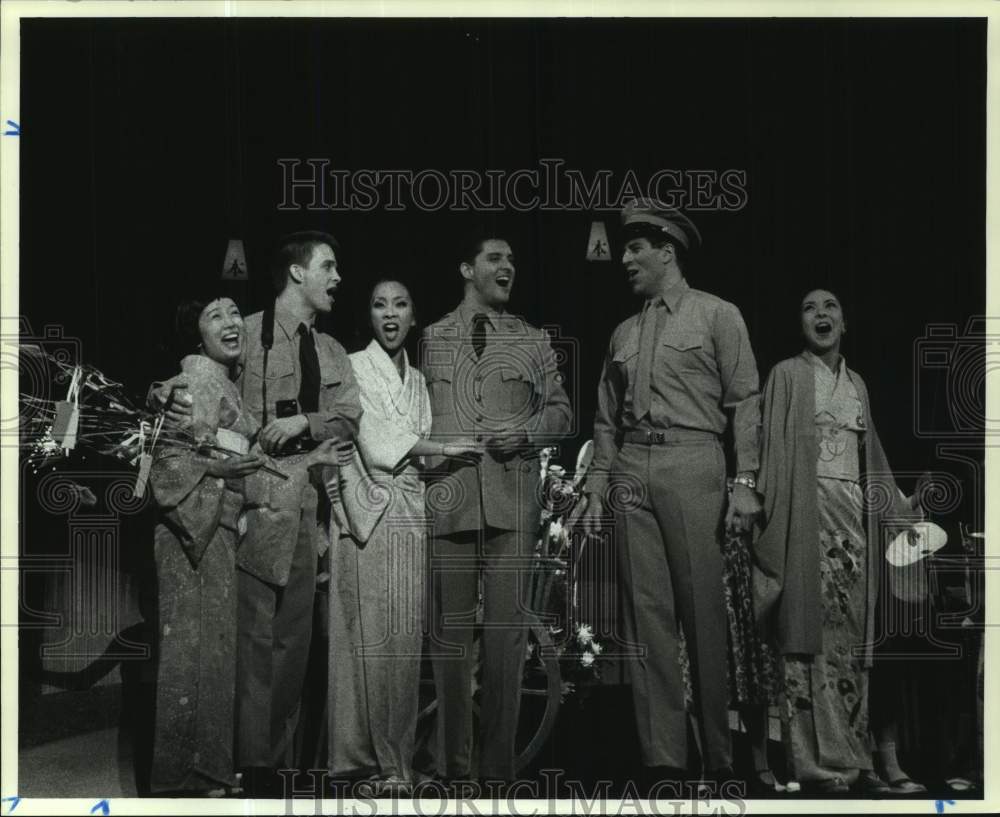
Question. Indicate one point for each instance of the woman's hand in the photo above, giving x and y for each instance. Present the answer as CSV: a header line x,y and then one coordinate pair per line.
x,y
241,465
463,448
332,452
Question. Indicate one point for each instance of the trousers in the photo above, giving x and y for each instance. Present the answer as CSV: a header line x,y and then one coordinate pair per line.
x,y
668,537
503,558
274,628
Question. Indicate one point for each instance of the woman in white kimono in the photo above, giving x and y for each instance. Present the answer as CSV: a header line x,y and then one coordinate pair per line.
x,y
378,598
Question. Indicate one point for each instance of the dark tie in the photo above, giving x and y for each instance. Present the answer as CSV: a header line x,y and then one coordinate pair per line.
x,y
479,321
309,363
649,332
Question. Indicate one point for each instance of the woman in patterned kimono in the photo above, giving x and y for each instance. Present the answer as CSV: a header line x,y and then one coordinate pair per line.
x,y
200,500
829,497
378,596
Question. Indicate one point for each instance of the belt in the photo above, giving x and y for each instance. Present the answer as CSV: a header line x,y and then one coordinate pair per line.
x,y
299,445
669,436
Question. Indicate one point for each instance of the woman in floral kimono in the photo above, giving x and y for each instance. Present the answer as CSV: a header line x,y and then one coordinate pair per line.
x,y
378,597
200,498
818,556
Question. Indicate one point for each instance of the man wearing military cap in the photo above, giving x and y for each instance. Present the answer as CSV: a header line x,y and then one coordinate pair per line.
x,y
676,374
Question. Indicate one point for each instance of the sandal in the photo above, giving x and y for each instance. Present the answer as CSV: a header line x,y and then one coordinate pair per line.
x,y
903,785
956,784
869,784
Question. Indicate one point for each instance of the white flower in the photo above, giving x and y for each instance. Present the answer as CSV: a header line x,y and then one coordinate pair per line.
x,y
557,471
587,659
544,458
556,530
596,648
584,634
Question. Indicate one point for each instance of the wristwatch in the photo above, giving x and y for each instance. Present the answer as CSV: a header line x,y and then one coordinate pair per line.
x,y
750,482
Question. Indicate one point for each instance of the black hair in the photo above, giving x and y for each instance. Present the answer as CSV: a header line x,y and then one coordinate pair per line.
x,y
472,244
817,288
187,335
297,248
365,332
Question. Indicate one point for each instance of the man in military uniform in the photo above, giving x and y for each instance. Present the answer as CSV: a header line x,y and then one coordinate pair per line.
x,y
491,376
303,391
676,374
299,385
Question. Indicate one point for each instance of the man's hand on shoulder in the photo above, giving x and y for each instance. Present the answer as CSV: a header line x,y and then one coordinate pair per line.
x,y
175,400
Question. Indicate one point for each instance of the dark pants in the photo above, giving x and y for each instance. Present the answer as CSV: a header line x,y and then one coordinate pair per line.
x,y
274,629
668,542
503,557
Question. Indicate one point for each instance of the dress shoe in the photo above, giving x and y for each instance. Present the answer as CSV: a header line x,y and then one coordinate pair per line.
x,y
262,782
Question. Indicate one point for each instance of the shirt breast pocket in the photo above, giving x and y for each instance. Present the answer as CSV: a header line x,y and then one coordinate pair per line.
x,y
684,351
624,360
330,375
518,392
280,382
439,387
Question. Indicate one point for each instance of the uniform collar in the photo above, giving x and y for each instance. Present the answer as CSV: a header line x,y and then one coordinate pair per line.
x,y
288,323
671,297
466,312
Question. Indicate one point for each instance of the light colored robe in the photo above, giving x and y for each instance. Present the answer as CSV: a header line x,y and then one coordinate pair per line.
x,y
378,593
786,570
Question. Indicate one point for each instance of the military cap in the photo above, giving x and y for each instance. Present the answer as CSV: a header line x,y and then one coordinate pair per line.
x,y
649,216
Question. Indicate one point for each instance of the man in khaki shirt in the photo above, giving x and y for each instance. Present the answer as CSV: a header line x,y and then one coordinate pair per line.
x,y
675,376
299,385
493,382
302,390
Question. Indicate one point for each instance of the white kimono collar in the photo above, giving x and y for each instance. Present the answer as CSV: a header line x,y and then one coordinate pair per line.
x,y
384,366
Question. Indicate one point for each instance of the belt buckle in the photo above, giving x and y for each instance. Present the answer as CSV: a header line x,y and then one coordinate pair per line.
x,y
655,437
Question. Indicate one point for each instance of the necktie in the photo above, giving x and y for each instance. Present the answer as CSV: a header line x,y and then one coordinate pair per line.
x,y
648,335
309,363
479,321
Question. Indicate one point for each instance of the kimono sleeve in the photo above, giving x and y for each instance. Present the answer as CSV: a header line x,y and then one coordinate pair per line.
x,y
189,499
